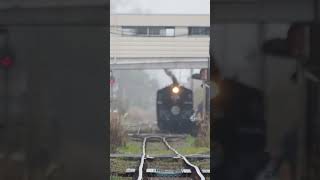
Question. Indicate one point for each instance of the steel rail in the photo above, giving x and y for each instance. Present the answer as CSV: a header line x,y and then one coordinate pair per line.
x,y
140,176
143,157
185,159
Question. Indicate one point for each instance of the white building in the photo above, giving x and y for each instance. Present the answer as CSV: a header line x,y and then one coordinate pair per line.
x,y
181,41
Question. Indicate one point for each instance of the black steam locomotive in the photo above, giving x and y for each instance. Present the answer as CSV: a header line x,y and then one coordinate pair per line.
x,y
174,109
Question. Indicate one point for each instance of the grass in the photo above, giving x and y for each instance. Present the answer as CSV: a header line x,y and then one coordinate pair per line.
x,y
202,164
120,165
115,178
190,147
187,147
131,147
158,148
119,178
190,140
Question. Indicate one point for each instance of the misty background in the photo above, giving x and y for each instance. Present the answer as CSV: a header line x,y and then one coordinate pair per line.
x,y
135,91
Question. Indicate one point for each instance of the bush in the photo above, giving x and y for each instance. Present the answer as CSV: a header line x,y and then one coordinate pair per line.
x,y
117,132
203,136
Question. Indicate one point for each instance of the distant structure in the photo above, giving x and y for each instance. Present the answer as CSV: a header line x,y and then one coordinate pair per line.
x,y
159,41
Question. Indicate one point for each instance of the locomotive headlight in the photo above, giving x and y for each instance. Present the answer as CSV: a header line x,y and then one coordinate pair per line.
x,y
175,89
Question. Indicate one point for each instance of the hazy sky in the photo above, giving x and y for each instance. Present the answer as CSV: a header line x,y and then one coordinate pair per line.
x,y
160,6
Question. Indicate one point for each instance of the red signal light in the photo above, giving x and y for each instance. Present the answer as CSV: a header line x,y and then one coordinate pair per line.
x,y
112,81
6,61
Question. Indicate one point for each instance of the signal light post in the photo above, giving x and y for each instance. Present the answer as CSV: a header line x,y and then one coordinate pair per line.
x,y
6,62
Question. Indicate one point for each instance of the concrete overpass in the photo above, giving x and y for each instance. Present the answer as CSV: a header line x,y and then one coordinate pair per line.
x,y
159,63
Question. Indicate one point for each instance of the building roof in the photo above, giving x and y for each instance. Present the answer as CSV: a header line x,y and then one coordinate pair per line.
x,y
159,20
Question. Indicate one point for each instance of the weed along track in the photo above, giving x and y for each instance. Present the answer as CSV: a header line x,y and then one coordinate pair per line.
x,y
160,160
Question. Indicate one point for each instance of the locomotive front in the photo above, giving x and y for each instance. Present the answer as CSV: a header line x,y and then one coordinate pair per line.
x,y
174,109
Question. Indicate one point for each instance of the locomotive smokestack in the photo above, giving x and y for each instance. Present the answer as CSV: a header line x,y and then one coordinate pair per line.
x,y
171,75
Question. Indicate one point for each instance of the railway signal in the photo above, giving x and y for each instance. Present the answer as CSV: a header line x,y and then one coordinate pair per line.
x,y
6,62
203,75
112,80
6,58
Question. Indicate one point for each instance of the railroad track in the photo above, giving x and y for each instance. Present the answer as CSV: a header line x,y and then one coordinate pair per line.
x,y
193,171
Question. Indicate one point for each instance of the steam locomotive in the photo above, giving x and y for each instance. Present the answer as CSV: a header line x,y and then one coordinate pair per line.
x,y
174,109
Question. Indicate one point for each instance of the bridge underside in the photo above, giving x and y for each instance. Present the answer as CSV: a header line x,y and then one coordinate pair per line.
x,y
158,63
